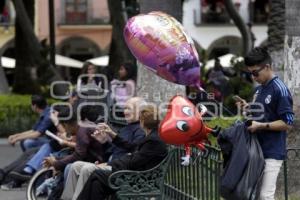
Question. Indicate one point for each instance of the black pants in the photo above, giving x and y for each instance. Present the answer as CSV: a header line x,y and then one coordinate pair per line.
x,y
96,188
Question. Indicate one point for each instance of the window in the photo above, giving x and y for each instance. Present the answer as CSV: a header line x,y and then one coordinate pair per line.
x,y
214,11
76,11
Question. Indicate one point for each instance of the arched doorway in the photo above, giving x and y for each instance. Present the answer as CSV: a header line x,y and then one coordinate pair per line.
x,y
79,48
8,50
225,45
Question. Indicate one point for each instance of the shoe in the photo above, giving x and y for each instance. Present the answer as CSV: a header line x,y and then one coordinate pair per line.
x,y
10,185
2,175
21,176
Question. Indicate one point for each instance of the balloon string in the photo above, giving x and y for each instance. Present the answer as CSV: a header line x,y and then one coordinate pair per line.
x,y
224,107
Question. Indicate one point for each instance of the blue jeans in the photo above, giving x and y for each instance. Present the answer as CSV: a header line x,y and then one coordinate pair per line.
x,y
31,143
36,161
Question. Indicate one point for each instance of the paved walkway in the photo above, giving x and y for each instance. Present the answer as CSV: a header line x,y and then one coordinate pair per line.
x,y
7,154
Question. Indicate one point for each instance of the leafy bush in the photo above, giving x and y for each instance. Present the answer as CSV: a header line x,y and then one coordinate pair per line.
x,y
16,114
221,122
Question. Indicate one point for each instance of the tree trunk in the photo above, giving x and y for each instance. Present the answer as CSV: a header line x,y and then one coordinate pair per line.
x,y
119,52
4,87
3,82
150,86
276,31
32,68
291,77
27,55
240,24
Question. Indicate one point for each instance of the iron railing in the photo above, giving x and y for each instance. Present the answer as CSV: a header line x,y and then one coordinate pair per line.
x,y
199,180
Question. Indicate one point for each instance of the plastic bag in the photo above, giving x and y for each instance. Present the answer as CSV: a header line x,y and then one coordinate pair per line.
x,y
249,185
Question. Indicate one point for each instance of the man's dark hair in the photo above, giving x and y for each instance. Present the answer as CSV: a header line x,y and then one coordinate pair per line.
x,y
39,101
257,56
64,113
91,112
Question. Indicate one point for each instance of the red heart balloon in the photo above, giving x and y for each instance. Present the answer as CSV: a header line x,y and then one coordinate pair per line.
x,y
183,124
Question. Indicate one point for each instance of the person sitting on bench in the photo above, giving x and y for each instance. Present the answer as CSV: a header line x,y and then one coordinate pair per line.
x,y
148,153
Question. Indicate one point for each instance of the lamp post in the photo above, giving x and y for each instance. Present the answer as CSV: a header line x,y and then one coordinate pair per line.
x,y
52,32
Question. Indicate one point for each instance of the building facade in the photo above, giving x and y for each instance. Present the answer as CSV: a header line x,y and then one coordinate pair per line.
x,y
82,29
210,26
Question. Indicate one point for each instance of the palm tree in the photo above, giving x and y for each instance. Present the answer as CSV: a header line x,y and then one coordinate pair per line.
x,y
32,67
291,77
238,21
26,48
119,53
3,81
276,31
150,86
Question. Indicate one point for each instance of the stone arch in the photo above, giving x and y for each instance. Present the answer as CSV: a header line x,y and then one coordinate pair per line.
x,y
224,45
79,48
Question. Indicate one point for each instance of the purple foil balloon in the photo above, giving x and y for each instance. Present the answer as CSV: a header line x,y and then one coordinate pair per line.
x,y
159,42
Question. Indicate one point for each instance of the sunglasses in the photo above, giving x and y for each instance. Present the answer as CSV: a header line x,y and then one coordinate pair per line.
x,y
255,73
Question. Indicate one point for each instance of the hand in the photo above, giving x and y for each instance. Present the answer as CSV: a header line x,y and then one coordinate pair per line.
x,y
185,160
63,142
49,161
104,127
101,165
54,117
255,126
242,104
100,136
62,135
55,172
13,139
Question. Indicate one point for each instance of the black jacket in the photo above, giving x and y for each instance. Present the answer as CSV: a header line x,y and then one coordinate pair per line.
x,y
146,154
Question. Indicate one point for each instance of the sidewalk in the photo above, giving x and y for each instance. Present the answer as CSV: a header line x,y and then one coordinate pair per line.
x,y
8,154
3,141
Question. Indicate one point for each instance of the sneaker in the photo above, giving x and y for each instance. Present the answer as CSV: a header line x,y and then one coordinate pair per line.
x,y
10,185
2,175
21,176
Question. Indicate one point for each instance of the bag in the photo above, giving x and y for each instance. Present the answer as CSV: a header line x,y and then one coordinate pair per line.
x,y
250,183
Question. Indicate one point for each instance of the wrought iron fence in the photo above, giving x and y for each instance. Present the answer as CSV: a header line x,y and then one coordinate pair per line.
x,y
199,180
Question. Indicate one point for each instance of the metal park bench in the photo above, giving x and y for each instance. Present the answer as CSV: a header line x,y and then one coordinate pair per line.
x,y
146,184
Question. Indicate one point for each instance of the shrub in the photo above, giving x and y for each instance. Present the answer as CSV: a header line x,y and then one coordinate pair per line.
x,y
16,114
221,122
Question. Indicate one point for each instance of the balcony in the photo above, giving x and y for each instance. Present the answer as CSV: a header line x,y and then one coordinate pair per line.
x,y
81,13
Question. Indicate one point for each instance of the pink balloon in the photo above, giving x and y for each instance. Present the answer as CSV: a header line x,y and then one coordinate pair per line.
x,y
159,42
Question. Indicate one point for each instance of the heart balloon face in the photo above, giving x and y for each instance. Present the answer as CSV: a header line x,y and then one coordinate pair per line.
x,y
183,123
159,42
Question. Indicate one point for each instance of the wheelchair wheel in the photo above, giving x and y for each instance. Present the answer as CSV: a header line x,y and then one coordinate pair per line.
x,y
38,178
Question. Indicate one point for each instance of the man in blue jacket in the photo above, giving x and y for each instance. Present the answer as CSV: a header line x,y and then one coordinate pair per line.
x,y
274,100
